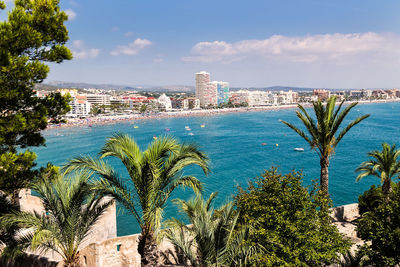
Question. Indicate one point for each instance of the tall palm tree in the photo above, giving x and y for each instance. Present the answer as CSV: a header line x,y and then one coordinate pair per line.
x,y
383,164
71,209
321,133
213,237
153,175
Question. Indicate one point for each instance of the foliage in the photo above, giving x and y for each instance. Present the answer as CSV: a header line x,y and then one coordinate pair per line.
x,y
7,234
16,172
154,174
34,33
288,221
97,109
380,225
16,165
322,133
370,199
384,165
71,208
352,260
143,108
212,238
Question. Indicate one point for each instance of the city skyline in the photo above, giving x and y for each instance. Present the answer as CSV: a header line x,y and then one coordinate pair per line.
x,y
308,43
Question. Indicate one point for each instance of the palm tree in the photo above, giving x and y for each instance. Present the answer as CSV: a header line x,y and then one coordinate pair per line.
x,y
153,175
213,237
322,132
71,209
384,165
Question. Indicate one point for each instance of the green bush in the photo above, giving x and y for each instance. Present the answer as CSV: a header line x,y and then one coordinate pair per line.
x,y
380,226
289,222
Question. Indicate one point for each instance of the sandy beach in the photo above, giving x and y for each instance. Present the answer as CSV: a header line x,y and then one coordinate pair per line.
x,y
108,119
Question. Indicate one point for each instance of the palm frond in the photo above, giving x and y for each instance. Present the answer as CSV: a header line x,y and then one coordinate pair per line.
x,y
348,127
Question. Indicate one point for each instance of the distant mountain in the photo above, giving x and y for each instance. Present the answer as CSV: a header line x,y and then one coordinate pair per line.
x,y
151,88
46,87
275,88
167,88
173,88
79,85
287,88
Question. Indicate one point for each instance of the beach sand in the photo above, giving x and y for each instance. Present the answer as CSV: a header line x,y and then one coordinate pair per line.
x,y
109,119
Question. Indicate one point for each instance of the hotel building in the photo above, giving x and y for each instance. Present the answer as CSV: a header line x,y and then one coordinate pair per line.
x,y
210,93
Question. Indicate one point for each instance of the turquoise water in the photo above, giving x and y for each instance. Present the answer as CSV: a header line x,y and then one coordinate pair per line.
x,y
233,142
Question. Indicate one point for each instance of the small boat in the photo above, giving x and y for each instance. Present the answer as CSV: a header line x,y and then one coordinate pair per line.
x,y
299,149
263,144
135,126
188,129
167,129
191,134
276,145
202,126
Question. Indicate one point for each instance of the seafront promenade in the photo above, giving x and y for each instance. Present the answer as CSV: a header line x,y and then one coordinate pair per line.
x,y
109,119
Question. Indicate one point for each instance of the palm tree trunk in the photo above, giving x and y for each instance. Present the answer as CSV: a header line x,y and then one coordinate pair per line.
x,y
147,249
324,178
386,188
15,198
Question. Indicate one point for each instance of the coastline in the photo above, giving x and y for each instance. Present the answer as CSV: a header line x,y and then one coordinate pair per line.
x,y
111,119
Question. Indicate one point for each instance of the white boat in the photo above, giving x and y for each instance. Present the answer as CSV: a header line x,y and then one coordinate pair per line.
x,y
299,149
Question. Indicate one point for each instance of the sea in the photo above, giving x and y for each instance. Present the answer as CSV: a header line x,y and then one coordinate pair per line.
x,y
241,146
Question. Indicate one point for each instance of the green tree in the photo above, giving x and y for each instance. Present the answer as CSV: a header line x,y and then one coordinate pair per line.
x,y
288,221
384,165
321,134
154,174
33,34
71,207
212,238
7,234
379,226
143,108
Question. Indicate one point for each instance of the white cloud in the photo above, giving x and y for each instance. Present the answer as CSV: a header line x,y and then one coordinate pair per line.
x,y
309,48
71,14
131,49
80,51
128,34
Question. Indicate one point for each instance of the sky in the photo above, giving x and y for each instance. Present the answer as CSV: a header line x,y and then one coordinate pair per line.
x,y
248,43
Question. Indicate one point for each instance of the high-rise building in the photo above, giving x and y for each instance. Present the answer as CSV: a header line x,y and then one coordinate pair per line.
x,y
222,92
211,93
204,92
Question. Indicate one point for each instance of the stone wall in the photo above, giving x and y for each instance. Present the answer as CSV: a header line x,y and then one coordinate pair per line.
x,y
103,249
343,218
104,229
117,252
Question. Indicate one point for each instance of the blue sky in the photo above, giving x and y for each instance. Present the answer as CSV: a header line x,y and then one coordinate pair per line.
x,y
310,43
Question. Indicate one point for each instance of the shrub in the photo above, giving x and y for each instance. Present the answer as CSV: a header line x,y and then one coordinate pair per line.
x,y
289,222
380,225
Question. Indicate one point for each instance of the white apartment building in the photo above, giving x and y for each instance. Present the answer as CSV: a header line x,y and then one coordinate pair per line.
x,y
260,98
286,98
79,107
98,99
165,102
205,92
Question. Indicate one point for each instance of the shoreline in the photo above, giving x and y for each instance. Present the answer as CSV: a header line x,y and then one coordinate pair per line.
x,y
112,119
